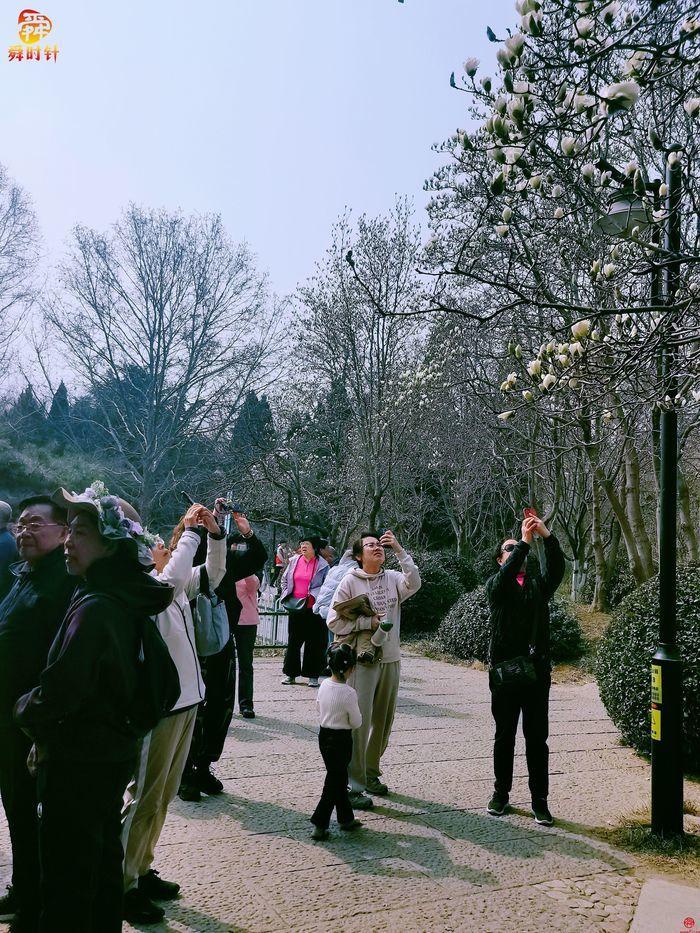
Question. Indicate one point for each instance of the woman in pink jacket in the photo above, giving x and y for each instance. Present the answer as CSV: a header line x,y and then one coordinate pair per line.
x,y
245,632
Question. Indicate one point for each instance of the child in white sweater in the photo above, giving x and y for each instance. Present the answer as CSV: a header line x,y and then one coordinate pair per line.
x,y
339,714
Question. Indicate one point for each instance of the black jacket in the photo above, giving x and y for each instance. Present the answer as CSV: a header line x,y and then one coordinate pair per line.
x,y
8,556
239,564
78,712
514,608
30,616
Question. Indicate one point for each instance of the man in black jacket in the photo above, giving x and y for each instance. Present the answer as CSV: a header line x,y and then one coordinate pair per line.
x,y
30,616
520,629
78,716
246,554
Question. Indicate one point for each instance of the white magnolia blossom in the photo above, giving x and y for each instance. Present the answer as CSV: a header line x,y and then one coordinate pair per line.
x,y
576,348
609,12
595,267
515,44
581,329
505,415
534,367
588,171
527,395
558,213
563,348
557,191
583,27
609,270
470,66
624,94
504,57
536,182
663,189
548,381
502,230
507,214
583,102
531,23
631,168
692,107
562,359
573,383
568,145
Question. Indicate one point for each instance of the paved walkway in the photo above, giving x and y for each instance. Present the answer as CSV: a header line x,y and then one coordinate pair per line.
x,y
428,857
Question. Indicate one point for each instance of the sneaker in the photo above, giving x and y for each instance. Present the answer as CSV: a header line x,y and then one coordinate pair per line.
x,y
349,827
248,712
207,782
319,834
8,903
140,909
375,786
360,801
290,681
189,791
497,805
313,681
540,811
157,888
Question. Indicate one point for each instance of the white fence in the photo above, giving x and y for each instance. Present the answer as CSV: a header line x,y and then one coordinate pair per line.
x,y
273,628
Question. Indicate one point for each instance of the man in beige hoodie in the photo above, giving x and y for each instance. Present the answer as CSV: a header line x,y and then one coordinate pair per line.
x,y
376,684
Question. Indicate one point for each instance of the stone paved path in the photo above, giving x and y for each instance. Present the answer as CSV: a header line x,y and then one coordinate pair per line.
x,y
428,857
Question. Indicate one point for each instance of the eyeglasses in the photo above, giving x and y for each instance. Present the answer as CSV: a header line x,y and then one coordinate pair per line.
x,y
34,527
508,548
374,547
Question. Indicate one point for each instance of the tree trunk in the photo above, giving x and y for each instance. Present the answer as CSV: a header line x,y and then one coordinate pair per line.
x,y
634,511
687,529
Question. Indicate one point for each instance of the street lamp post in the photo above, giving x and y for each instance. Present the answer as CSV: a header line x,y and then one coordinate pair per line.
x,y
626,212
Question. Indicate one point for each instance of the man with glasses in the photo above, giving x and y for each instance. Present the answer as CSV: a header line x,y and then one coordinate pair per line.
x,y
30,616
376,683
8,549
520,662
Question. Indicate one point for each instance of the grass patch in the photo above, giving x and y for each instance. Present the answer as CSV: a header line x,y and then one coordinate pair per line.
x,y
679,855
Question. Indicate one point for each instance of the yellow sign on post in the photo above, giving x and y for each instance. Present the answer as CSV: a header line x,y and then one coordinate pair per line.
x,y
656,724
656,683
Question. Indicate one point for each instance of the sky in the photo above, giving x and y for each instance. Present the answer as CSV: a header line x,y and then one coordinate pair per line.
x,y
278,114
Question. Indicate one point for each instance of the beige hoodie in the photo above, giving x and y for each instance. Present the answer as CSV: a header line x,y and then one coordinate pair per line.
x,y
386,590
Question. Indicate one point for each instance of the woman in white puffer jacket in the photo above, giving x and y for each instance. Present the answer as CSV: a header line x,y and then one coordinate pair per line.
x,y
164,750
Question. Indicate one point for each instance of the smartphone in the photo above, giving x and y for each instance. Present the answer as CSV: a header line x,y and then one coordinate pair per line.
x,y
233,506
187,497
530,513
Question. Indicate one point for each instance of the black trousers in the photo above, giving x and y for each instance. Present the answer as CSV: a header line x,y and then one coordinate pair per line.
x,y
336,750
18,790
244,639
507,703
80,845
215,714
308,631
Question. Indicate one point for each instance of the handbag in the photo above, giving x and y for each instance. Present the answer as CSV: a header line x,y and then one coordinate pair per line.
x,y
519,671
296,603
211,626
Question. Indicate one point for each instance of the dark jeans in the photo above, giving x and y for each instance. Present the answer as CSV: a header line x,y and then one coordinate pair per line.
x,y
215,714
307,630
336,749
18,790
507,703
244,638
80,845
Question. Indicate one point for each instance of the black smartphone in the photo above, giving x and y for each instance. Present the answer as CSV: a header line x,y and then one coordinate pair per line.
x,y
233,506
187,497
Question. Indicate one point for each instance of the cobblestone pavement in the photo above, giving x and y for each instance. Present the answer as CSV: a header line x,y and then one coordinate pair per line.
x,y
428,857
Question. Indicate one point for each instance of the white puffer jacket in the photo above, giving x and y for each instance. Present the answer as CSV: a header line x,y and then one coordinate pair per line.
x,y
175,623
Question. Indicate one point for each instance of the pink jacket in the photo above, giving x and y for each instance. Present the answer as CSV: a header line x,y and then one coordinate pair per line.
x,y
247,593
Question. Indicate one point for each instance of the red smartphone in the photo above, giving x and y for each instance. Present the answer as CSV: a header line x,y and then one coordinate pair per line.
x,y
530,513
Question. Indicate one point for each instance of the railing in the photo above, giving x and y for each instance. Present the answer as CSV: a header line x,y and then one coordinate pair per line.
x,y
273,628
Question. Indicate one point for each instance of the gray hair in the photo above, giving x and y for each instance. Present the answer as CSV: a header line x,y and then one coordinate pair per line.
x,y
5,514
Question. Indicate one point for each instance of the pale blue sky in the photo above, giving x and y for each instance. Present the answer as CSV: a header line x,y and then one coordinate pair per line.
x,y
277,114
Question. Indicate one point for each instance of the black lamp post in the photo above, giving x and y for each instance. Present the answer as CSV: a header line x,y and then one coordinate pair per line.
x,y
626,212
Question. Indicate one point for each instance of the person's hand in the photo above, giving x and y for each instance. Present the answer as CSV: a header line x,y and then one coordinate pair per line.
x,y
191,519
207,519
375,623
388,539
220,507
242,523
529,527
542,529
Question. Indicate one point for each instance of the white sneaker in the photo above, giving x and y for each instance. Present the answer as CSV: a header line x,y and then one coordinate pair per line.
x,y
313,681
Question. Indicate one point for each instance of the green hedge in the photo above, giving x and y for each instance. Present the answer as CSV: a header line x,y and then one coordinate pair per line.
x,y
466,629
624,656
445,576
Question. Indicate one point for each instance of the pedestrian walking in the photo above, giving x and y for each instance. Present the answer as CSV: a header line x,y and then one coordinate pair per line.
x,y
79,716
301,585
376,683
30,616
339,714
164,750
520,663
245,631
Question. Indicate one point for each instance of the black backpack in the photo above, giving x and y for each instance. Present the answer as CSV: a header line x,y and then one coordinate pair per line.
x,y
157,681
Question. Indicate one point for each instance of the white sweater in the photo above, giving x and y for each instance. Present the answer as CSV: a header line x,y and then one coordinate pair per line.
x,y
337,706
175,622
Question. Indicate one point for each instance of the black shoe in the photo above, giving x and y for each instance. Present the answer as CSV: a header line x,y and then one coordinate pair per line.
x,y
540,811
153,886
140,909
8,903
360,801
497,805
207,782
189,790
319,834
248,712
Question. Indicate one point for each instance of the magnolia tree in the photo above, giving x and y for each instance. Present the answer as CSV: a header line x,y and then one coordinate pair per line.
x,y
592,101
